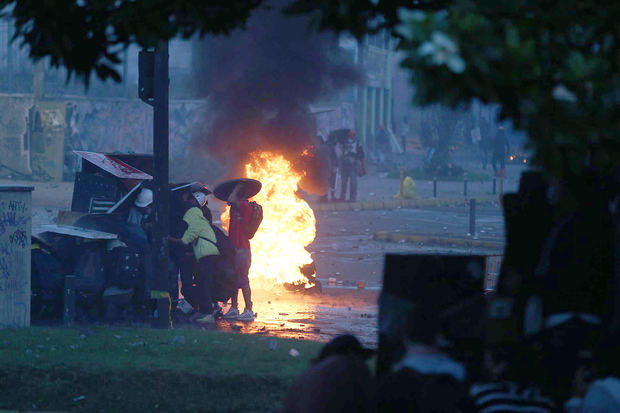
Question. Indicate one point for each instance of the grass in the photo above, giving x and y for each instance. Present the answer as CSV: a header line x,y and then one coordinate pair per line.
x,y
139,369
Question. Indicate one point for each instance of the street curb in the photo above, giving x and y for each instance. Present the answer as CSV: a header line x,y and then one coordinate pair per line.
x,y
400,203
425,239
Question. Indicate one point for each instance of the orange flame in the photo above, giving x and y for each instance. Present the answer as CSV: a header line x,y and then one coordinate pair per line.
x,y
289,225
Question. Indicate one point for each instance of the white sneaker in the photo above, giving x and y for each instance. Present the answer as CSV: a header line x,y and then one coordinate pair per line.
x,y
184,306
231,314
247,315
206,319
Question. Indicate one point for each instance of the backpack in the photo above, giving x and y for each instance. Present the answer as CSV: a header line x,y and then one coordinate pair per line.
x,y
255,219
123,268
224,245
224,281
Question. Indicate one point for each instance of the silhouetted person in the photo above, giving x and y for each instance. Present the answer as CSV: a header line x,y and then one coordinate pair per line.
x,y
501,148
350,164
426,379
337,381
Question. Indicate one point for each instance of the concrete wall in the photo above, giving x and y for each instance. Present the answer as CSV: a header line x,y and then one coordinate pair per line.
x,y
13,130
102,125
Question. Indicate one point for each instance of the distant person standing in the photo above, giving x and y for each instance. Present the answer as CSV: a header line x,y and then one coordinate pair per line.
x,y
351,166
335,142
501,148
382,144
404,132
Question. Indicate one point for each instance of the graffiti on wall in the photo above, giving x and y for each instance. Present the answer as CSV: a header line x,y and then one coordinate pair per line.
x,y
125,126
15,216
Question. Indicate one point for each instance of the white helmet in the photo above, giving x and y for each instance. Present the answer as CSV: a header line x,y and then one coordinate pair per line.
x,y
201,197
144,198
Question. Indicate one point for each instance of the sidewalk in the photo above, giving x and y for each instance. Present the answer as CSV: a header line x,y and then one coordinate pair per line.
x,y
375,192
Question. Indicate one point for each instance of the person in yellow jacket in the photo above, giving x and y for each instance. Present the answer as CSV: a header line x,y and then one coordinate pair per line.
x,y
201,236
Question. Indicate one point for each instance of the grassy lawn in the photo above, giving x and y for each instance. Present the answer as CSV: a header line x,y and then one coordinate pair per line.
x,y
141,369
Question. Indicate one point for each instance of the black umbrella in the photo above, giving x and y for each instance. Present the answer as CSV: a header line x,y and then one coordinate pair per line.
x,y
251,187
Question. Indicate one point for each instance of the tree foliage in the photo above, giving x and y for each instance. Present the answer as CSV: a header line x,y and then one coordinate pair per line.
x,y
90,35
552,65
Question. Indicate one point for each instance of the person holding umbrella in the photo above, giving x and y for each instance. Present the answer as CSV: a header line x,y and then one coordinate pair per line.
x,y
241,229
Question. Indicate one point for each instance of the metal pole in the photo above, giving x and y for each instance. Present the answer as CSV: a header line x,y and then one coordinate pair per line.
x,y
434,187
494,184
161,200
402,179
68,313
465,187
472,216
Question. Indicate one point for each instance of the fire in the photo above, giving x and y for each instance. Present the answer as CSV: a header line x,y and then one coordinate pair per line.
x,y
289,225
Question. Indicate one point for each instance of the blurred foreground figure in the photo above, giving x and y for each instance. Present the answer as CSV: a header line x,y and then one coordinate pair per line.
x,y
337,381
426,379
495,393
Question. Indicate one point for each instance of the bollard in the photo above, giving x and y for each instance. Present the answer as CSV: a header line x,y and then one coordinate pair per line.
x,y
434,187
494,182
465,187
68,317
472,216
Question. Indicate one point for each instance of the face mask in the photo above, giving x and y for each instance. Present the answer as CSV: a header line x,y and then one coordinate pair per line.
x,y
201,198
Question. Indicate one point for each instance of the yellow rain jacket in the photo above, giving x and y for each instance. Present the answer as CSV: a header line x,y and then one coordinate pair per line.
x,y
408,191
198,232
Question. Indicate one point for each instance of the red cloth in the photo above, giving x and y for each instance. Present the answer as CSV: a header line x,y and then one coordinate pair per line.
x,y
239,219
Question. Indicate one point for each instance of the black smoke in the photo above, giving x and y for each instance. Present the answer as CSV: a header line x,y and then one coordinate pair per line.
x,y
260,83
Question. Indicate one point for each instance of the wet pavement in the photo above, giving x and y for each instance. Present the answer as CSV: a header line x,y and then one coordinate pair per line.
x,y
317,317
345,251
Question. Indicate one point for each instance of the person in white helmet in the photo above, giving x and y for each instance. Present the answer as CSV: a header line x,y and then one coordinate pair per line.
x,y
201,237
140,213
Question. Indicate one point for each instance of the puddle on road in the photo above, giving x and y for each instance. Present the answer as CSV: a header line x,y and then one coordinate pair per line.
x,y
318,317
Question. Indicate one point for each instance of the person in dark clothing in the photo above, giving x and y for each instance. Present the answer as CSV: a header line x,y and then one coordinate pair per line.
x,y
495,392
425,379
352,159
337,381
382,144
335,145
501,148
404,132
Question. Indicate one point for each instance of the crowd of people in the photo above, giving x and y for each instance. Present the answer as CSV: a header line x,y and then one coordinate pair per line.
x,y
429,376
212,265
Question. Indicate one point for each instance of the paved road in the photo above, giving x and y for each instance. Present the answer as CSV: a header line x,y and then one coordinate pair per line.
x,y
344,247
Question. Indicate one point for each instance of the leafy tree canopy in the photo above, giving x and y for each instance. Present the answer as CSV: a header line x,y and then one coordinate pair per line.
x,y
90,35
552,65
